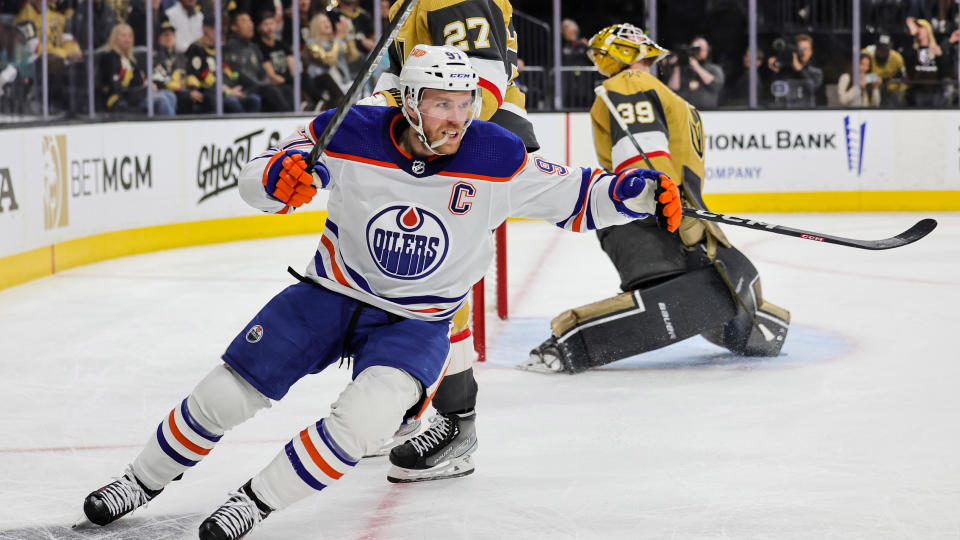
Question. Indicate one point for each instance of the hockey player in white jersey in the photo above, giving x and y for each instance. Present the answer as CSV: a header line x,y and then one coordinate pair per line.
x,y
414,196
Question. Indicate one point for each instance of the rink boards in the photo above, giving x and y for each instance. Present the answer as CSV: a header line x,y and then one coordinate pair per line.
x,y
74,194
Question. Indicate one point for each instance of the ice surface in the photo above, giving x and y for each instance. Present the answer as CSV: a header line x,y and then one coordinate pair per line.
x,y
852,433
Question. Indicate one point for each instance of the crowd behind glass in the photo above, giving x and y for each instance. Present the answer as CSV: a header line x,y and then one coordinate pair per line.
x,y
96,56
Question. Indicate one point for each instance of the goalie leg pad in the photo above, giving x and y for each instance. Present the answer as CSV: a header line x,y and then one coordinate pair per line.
x,y
219,402
643,253
643,320
760,335
367,411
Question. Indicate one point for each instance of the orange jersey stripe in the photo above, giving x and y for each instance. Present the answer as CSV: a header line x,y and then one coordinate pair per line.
x,y
586,202
185,441
317,458
351,157
428,310
333,261
486,178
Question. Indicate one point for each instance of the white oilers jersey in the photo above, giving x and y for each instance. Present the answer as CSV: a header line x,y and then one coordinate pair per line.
x,y
413,235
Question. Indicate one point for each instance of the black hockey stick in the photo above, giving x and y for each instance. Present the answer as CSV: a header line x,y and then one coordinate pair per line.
x,y
909,236
369,66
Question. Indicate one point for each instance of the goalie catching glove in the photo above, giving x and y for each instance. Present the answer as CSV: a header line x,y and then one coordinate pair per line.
x,y
288,180
639,192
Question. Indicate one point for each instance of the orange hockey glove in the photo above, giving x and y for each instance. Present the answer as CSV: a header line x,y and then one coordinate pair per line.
x,y
642,192
288,180
669,210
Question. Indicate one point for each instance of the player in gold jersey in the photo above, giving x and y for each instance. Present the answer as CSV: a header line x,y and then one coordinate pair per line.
x,y
484,30
699,284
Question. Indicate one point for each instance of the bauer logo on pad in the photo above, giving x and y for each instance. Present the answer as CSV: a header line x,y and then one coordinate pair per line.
x,y
255,333
407,242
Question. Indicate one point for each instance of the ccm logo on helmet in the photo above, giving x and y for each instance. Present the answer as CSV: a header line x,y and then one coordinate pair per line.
x,y
407,242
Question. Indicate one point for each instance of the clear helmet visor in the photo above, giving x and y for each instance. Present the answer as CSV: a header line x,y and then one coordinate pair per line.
x,y
456,107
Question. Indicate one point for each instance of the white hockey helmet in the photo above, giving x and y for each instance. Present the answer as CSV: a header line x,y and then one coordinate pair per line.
x,y
440,68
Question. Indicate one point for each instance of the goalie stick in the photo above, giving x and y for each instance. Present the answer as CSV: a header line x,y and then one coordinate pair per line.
x,y
909,236
369,65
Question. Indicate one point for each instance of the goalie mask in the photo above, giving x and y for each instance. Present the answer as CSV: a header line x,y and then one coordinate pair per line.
x,y
620,45
438,68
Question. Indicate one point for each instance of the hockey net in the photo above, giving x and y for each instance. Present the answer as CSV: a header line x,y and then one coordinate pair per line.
x,y
490,295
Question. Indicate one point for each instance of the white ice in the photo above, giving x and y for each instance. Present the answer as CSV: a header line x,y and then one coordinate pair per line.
x,y
852,433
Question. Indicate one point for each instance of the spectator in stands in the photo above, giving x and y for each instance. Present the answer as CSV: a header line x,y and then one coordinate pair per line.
x,y
137,19
326,56
123,86
869,89
737,92
170,67
104,19
361,32
277,56
62,49
888,64
287,34
798,82
925,68
186,16
693,77
577,84
16,71
384,13
921,9
202,78
245,62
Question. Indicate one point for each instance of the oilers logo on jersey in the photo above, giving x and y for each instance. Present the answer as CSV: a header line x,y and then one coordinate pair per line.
x,y
407,242
255,333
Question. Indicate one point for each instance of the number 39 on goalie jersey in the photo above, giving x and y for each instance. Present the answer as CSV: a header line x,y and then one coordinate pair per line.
x,y
668,128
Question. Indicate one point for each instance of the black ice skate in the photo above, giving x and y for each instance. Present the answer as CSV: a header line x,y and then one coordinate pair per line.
x,y
117,499
242,512
442,451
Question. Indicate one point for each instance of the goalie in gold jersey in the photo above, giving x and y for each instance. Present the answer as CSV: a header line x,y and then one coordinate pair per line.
x,y
698,283
483,29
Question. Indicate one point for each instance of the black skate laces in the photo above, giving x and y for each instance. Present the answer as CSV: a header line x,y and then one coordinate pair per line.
x,y
238,515
432,437
123,494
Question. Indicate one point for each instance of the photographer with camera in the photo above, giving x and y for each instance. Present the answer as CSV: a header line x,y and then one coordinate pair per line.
x,y
693,77
869,89
798,83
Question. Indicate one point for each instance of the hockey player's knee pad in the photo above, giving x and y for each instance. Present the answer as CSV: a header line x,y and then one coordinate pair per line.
x,y
371,407
223,399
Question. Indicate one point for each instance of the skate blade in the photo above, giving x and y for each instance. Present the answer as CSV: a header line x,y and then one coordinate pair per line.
x,y
84,523
448,469
538,367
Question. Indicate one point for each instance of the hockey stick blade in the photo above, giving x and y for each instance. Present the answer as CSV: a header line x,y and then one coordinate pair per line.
x,y
909,236
369,66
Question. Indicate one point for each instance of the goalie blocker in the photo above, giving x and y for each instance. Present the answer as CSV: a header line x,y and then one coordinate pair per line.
x,y
649,317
